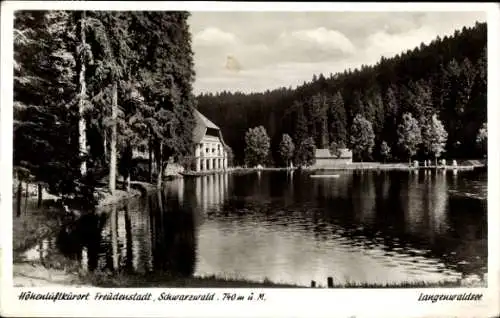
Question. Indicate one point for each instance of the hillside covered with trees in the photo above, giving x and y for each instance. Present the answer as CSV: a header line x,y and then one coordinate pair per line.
x,y
423,103
90,85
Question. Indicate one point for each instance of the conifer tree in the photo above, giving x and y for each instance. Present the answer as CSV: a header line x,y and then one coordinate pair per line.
x,y
337,119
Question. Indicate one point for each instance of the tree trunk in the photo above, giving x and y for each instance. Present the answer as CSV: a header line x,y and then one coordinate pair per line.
x,y
114,237
40,194
19,196
105,144
150,160
128,239
159,165
26,197
127,161
112,159
324,132
82,138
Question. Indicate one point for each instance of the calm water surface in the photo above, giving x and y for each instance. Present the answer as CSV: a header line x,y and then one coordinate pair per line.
x,y
367,227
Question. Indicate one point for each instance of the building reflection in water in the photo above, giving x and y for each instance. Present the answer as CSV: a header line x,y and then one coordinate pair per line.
x,y
211,191
293,222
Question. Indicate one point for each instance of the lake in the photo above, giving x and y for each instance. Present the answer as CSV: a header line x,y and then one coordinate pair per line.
x,y
359,227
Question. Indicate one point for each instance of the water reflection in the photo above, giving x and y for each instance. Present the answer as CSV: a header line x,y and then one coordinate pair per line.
x,y
365,226
211,191
373,227
81,240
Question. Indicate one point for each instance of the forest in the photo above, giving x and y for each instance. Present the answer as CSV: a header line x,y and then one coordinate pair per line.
x,y
92,86
89,86
423,103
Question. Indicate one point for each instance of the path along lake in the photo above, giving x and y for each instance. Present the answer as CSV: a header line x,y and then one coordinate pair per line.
x,y
360,227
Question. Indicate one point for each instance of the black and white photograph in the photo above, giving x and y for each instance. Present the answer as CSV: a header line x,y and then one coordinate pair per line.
x,y
256,150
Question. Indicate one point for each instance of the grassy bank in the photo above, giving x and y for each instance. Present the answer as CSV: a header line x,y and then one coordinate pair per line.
x,y
131,280
123,280
29,274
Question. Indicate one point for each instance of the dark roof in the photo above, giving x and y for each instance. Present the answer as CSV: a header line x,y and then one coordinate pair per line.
x,y
202,123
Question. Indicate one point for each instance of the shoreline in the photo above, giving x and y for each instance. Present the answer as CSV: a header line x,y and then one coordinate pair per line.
x,y
36,225
32,274
39,223
356,166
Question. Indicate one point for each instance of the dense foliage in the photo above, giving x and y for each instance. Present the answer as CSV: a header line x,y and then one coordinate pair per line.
x,y
256,146
287,149
90,86
362,137
446,78
409,135
304,155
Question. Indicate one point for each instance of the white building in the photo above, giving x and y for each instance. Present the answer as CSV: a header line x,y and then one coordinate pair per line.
x,y
210,150
324,159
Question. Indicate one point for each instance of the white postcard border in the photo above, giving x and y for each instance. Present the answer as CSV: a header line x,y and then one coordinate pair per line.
x,y
279,302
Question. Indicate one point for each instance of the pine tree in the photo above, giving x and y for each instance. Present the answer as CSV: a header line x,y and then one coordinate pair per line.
x,y
337,119
83,51
44,99
319,120
111,55
451,108
166,75
391,110
300,124
378,114
466,79
421,100
357,106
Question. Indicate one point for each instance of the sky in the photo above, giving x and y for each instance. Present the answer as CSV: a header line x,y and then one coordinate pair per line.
x,y
256,51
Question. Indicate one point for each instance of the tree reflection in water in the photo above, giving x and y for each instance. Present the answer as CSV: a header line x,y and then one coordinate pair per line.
x,y
175,242
367,226
85,233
